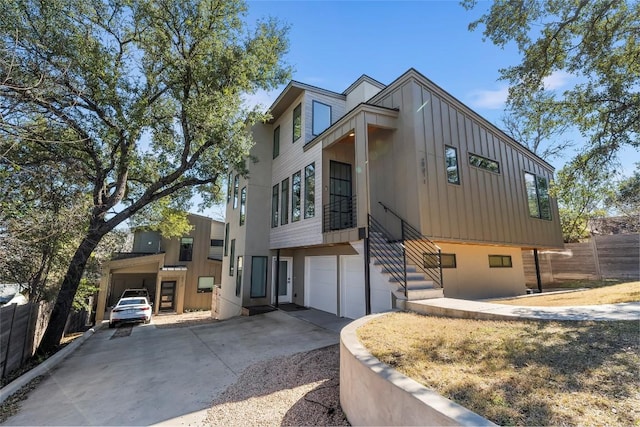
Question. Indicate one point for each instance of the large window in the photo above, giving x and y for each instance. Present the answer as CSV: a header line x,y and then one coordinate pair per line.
x,y
276,142
451,161
321,114
232,257
243,205
258,277
297,122
186,249
296,186
205,284
236,185
274,206
484,163
284,202
538,196
229,181
239,277
310,191
226,239
500,261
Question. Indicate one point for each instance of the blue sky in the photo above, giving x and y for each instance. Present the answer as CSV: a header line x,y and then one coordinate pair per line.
x,y
332,43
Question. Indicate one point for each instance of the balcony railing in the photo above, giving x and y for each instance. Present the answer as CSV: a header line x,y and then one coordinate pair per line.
x,y
340,215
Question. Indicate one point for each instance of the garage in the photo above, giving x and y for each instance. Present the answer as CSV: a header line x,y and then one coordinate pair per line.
x,y
352,297
321,283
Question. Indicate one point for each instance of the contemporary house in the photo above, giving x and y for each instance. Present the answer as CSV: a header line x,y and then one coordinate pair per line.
x,y
357,201
179,273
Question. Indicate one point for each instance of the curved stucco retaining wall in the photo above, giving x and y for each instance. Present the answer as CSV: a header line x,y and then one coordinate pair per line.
x,y
372,393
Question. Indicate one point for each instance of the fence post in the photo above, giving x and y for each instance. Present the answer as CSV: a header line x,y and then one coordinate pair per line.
x,y
596,259
6,353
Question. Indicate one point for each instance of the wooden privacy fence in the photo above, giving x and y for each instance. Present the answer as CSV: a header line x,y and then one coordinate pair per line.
x,y
21,329
615,256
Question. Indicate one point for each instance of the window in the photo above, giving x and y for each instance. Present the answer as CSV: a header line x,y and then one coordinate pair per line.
x,y
236,185
205,284
276,142
217,243
231,258
229,186
310,191
239,277
538,196
258,277
484,163
297,122
284,202
451,161
296,186
243,205
500,261
186,248
226,238
431,260
321,114
274,206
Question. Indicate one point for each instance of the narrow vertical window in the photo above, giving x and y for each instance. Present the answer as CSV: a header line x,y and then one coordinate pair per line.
x,y
236,185
276,142
258,277
310,191
321,117
186,249
543,197
297,122
537,188
451,162
274,206
239,276
226,239
232,257
284,202
229,181
296,187
243,204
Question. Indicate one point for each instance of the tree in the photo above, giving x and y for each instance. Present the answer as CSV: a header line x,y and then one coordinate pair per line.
x,y
625,200
142,99
595,41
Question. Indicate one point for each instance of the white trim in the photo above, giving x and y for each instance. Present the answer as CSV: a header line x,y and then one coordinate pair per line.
x,y
288,298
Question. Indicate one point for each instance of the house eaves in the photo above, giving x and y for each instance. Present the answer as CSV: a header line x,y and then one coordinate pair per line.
x,y
360,108
412,73
293,91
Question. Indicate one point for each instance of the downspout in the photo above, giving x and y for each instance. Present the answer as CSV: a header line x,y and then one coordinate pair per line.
x,y
277,277
537,262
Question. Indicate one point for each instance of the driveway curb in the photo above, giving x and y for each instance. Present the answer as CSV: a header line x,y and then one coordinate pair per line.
x,y
45,366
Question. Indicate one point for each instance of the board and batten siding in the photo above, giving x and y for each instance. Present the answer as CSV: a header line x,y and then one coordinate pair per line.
x,y
485,207
293,158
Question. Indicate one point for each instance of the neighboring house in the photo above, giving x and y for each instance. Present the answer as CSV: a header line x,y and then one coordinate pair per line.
x,y
372,177
179,273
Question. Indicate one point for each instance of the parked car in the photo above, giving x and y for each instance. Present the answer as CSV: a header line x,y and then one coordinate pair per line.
x,y
130,309
135,292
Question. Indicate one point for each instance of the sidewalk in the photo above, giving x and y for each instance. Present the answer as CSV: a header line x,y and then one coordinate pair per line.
x,y
451,307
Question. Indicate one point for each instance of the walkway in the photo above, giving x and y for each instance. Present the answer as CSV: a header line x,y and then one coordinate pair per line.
x,y
450,307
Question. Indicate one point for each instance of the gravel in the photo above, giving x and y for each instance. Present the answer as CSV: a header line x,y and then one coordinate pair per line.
x,y
302,389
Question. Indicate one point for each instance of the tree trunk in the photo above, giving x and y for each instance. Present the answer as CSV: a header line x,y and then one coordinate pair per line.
x,y
62,308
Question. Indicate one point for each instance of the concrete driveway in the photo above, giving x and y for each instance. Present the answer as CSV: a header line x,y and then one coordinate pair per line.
x,y
162,376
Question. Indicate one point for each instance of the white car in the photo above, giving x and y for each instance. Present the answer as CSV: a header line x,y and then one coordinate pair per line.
x,y
131,309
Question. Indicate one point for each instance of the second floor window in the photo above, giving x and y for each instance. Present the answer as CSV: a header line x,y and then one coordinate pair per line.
x,y
451,162
538,196
236,185
310,190
274,206
321,117
243,205
276,142
297,122
186,249
296,185
284,197
229,180
226,239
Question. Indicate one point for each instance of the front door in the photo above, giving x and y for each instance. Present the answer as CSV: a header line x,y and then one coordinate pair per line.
x,y
285,284
167,296
340,196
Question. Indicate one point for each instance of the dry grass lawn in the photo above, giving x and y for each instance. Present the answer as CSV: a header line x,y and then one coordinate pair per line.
x,y
519,372
613,294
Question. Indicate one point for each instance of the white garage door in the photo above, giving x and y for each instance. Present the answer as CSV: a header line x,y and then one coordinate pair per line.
x,y
321,283
352,302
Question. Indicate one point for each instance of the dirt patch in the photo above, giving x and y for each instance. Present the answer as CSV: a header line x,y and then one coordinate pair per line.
x,y
303,389
165,321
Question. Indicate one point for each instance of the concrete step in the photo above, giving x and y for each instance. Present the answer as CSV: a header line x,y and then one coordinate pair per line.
x,y
411,276
414,295
388,268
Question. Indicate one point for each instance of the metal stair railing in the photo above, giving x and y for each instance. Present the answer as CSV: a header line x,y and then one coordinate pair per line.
x,y
420,250
388,252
